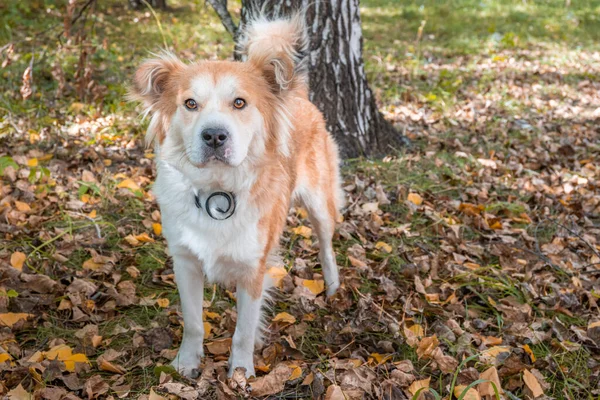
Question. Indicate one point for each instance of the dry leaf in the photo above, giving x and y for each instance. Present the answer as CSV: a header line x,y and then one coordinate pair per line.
x,y
415,198
296,373
110,367
486,388
471,394
284,317
19,393
417,385
9,319
386,248
334,392
426,346
220,346
163,303
532,383
303,231
277,274
315,286
17,259
272,383
157,228
129,184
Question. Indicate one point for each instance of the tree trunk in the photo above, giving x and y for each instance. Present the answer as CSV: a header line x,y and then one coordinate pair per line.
x,y
338,82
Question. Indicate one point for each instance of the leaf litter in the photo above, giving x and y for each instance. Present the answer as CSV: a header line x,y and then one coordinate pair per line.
x,y
474,256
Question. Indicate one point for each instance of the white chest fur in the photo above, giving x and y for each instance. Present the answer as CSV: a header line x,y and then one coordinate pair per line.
x,y
226,249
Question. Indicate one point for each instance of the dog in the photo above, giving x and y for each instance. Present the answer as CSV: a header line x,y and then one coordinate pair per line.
x,y
237,142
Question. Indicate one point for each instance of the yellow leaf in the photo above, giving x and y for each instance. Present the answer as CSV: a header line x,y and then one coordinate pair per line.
x,y
263,368
303,231
296,373
380,358
207,329
61,352
386,248
417,330
284,317
75,358
530,352
144,238
277,274
91,265
17,259
301,213
85,198
415,198
532,383
163,303
212,315
23,207
471,394
9,319
129,184
416,385
4,357
157,228
32,162
92,214
315,286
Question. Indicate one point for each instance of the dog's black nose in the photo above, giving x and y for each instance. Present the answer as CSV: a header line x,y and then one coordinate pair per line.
x,y
215,137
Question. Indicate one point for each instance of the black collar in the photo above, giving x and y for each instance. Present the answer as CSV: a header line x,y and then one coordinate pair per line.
x,y
218,205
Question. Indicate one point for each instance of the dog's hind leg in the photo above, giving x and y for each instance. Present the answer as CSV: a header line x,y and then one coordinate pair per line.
x,y
322,213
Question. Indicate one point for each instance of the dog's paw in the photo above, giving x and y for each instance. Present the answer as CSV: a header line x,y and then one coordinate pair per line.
x,y
241,362
187,366
332,288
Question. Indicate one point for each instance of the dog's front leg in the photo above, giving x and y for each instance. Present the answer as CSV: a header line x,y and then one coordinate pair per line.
x,y
249,303
190,282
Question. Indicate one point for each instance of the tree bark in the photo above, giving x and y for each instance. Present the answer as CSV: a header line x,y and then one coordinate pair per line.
x,y
338,83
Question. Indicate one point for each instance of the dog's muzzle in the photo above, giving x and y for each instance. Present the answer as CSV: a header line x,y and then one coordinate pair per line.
x,y
218,205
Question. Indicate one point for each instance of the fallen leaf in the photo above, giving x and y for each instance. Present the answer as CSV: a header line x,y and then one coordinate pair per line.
x,y
277,274
272,383
17,259
9,319
386,248
129,184
4,357
334,392
284,317
163,303
315,286
157,228
415,198
417,385
19,393
296,373
486,388
23,207
471,394
426,346
110,367
220,346
303,231
532,383
32,162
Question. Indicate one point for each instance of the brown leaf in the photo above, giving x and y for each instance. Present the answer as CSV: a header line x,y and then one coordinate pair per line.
x,y
17,259
426,346
220,346
486,388
272,383
532,383
471,394
334,392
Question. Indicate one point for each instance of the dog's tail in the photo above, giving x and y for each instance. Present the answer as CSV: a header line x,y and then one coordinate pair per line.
x,y
279,46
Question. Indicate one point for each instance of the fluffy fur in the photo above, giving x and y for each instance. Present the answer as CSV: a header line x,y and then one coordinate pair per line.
x,y
277,150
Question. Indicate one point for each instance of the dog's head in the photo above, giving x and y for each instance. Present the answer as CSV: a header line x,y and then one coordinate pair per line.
x,y
224,111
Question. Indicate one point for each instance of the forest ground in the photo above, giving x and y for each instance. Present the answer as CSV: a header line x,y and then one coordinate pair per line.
x,y
473,254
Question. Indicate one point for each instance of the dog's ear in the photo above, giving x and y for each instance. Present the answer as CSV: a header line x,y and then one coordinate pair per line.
x,y
278,49
153,78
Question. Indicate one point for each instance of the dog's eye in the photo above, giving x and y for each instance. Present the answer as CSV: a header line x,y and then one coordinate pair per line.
x,y
191,104
239,103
